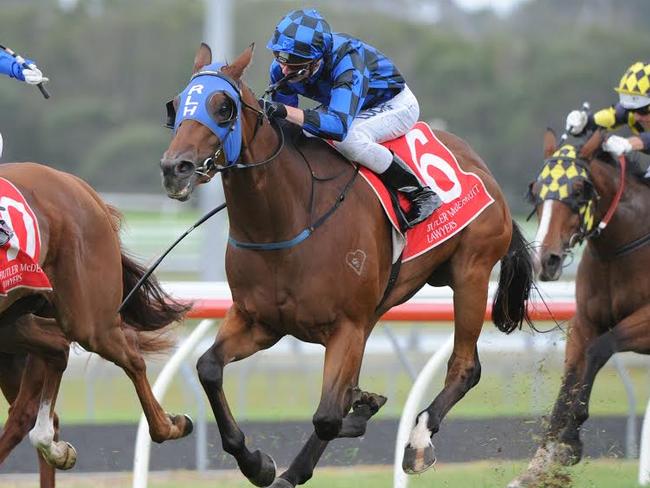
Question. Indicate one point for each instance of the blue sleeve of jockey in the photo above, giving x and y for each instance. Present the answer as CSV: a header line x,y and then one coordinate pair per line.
x,y
349,90
9,66
283,94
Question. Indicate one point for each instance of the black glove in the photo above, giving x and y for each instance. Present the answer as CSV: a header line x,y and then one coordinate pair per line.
x,y
275,110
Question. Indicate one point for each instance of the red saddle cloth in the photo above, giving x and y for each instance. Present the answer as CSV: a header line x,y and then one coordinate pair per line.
x,y
463,194
19,258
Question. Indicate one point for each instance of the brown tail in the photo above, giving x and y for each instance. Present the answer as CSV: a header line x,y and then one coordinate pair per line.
x,y
150,308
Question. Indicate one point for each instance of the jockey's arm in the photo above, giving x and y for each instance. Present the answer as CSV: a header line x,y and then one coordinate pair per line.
x,y
283,94
9,66
608,118
349,89
613,117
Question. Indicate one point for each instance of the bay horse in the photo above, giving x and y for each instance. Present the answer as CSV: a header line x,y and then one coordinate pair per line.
x,y
82,257
583,193
308,287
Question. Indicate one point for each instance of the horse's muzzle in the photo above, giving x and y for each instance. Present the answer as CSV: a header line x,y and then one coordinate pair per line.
x,y
551,267
178,177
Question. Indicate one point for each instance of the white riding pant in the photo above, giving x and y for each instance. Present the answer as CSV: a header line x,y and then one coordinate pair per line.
x,y
381,123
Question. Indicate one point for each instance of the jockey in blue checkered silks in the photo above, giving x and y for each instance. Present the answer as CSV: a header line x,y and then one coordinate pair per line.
x,y
364,100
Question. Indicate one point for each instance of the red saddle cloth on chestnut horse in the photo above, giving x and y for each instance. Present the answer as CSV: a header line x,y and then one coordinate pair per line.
x,y
19,258
463,194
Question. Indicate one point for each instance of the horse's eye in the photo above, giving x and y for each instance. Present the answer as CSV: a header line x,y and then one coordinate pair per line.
x,y
225,111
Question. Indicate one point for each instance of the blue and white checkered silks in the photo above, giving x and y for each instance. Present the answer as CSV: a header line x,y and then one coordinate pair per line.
x,y
194,104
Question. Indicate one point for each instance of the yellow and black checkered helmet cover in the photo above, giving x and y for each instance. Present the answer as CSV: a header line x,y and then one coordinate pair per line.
x,y
636,80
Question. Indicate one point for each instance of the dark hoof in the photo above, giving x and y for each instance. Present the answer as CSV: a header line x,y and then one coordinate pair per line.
x,y
182,426
567,454
370,402
266,473
189,426
281,483
417,461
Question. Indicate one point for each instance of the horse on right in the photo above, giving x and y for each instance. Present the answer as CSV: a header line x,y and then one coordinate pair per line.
x,y
582,193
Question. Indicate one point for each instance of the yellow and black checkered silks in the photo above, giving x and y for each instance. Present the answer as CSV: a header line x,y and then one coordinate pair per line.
x,y
636,80
560,172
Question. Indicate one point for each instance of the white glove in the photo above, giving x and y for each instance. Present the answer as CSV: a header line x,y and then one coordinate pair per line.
x,y
616,145
33,75
576,122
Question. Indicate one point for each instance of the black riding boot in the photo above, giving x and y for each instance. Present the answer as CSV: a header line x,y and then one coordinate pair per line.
x,y
5,231
424,201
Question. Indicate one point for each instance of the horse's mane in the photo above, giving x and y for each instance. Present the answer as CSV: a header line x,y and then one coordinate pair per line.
x,y
633,169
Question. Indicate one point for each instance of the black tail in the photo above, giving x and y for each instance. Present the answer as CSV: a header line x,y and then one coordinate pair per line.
x,y
510,306
150,308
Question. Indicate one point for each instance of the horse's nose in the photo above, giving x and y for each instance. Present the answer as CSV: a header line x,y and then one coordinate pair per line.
x,y
177,168
551,267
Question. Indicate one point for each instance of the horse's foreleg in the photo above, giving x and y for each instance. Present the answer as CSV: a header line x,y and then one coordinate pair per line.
x,y
631,334
236,340
343,355
463,368
580,336
364,406
121,346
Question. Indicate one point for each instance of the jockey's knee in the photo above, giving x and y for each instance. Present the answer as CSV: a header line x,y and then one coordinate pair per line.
x,y
365,152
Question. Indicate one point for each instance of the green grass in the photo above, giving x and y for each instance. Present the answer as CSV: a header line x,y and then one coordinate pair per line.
x,y
484,474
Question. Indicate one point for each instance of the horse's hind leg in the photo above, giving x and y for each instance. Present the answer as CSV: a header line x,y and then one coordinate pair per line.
x,y
236,340
364,406
23,397
42,336
463,367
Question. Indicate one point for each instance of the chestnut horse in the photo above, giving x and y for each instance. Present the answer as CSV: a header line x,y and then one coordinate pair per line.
x,y
279,184
612,282
82,257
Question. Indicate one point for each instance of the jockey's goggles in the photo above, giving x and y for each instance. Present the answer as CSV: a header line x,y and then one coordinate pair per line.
x,y
291,60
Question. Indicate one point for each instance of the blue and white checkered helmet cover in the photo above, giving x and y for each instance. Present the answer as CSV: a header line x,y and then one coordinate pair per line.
x,y
194,105
303,33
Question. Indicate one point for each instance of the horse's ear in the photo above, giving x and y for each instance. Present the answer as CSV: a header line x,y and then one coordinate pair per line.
x,y
238,66
550,143
592,145
202,58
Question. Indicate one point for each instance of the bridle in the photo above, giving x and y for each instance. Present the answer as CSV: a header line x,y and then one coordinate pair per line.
x,y
210,166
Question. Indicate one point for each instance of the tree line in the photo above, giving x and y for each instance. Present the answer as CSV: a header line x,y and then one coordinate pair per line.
x,y
497,82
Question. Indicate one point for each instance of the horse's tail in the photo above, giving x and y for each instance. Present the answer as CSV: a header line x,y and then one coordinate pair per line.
x,y
510,306
150,308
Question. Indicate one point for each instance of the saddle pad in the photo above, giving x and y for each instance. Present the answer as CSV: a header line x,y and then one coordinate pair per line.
x,y
19,258
463,194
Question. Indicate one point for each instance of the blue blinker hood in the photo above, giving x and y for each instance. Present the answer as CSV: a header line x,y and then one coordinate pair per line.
x,y
194,105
